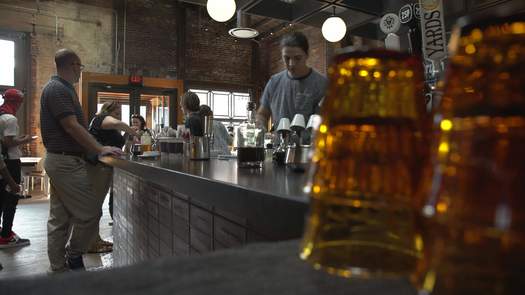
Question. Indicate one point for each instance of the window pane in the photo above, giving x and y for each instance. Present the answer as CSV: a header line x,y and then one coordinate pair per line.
x,y
7,63
240,101
158,112
166,116
142,112
202,94
124,108
221,104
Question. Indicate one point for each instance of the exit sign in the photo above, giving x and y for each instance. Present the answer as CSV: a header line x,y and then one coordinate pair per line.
x,y
136,80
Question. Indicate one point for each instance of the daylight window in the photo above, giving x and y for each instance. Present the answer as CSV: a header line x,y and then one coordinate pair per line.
x,y
227,107
7,63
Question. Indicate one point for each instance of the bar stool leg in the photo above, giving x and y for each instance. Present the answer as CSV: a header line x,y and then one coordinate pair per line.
x,y
25,185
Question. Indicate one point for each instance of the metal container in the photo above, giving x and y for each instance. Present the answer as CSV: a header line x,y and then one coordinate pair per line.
x,y
198,148
170,146
207,125
298,157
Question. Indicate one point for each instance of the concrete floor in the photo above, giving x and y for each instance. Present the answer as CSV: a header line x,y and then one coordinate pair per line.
x,y
30,223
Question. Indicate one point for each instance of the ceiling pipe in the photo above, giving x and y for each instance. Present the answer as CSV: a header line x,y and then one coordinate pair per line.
x,y
243,29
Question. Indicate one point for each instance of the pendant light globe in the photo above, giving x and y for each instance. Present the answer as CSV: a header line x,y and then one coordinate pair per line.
x,y
334,29
221,10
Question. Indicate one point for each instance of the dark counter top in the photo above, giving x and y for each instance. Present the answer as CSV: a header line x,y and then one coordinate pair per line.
x,y
269,268
270,180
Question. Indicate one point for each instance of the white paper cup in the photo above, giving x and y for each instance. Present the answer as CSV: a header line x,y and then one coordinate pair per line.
x,y
314,122
284,124
298,121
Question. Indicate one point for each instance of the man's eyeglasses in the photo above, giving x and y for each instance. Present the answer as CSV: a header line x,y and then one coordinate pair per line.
x,y
78,64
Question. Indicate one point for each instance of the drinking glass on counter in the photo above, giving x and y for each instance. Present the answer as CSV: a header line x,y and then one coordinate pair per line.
x,y
136,149
473,192
366,163
249,142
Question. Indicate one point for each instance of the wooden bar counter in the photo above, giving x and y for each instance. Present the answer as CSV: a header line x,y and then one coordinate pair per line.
x,y
180,207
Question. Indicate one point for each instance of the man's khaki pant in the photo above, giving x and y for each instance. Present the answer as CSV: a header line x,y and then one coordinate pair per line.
x,y
101,176
74,209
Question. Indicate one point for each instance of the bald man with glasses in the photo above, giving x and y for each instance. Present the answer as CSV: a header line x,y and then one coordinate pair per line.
x,y
74,209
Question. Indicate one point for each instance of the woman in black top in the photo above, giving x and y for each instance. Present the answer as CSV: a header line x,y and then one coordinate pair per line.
x,y
106,128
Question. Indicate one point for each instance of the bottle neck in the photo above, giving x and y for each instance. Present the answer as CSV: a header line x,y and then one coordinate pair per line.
x,y
251,116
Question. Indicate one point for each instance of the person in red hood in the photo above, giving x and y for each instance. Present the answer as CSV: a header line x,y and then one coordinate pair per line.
x,y
13,98
10,141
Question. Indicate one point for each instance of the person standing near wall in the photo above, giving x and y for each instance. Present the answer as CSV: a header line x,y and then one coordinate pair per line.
x,y
74,209
13,186
10,150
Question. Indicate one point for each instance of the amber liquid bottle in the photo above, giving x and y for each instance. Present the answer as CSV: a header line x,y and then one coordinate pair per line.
x,y
474,190
366,168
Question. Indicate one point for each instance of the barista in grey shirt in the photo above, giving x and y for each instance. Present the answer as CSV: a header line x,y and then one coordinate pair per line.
x,y
296,90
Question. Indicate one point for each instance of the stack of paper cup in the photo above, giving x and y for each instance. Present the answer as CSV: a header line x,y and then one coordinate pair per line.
x,y
314,122
284,125
298,121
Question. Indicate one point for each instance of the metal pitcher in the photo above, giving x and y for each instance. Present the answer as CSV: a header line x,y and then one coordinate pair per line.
x,y
198,148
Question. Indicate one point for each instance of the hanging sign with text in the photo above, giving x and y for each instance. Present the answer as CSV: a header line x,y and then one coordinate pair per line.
x,y
434,43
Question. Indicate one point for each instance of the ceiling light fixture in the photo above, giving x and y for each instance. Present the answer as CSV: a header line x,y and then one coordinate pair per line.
x,y
221,10
243,29
334,28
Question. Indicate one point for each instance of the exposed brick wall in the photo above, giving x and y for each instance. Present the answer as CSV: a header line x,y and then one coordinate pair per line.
x,y
43,50
212,54
150,37
84,28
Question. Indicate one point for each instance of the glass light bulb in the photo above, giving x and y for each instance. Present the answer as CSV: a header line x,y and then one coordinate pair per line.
x,y
221,10
334,29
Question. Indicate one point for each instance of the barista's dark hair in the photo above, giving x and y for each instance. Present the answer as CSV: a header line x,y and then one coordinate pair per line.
x,y
295,39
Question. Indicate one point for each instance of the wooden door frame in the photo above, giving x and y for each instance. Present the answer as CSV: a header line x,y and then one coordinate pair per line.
x,y
89,79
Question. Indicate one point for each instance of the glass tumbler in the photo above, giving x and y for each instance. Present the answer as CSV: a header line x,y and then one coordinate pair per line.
x,y
473,193
366,168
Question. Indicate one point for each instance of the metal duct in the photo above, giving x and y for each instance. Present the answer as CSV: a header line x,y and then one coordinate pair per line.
x,y
243,29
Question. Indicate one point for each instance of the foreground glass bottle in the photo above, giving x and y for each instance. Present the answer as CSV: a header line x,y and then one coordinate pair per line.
x,y
366,165
474,190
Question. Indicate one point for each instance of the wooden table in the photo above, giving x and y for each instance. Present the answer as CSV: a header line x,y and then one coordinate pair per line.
x,y
28,165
